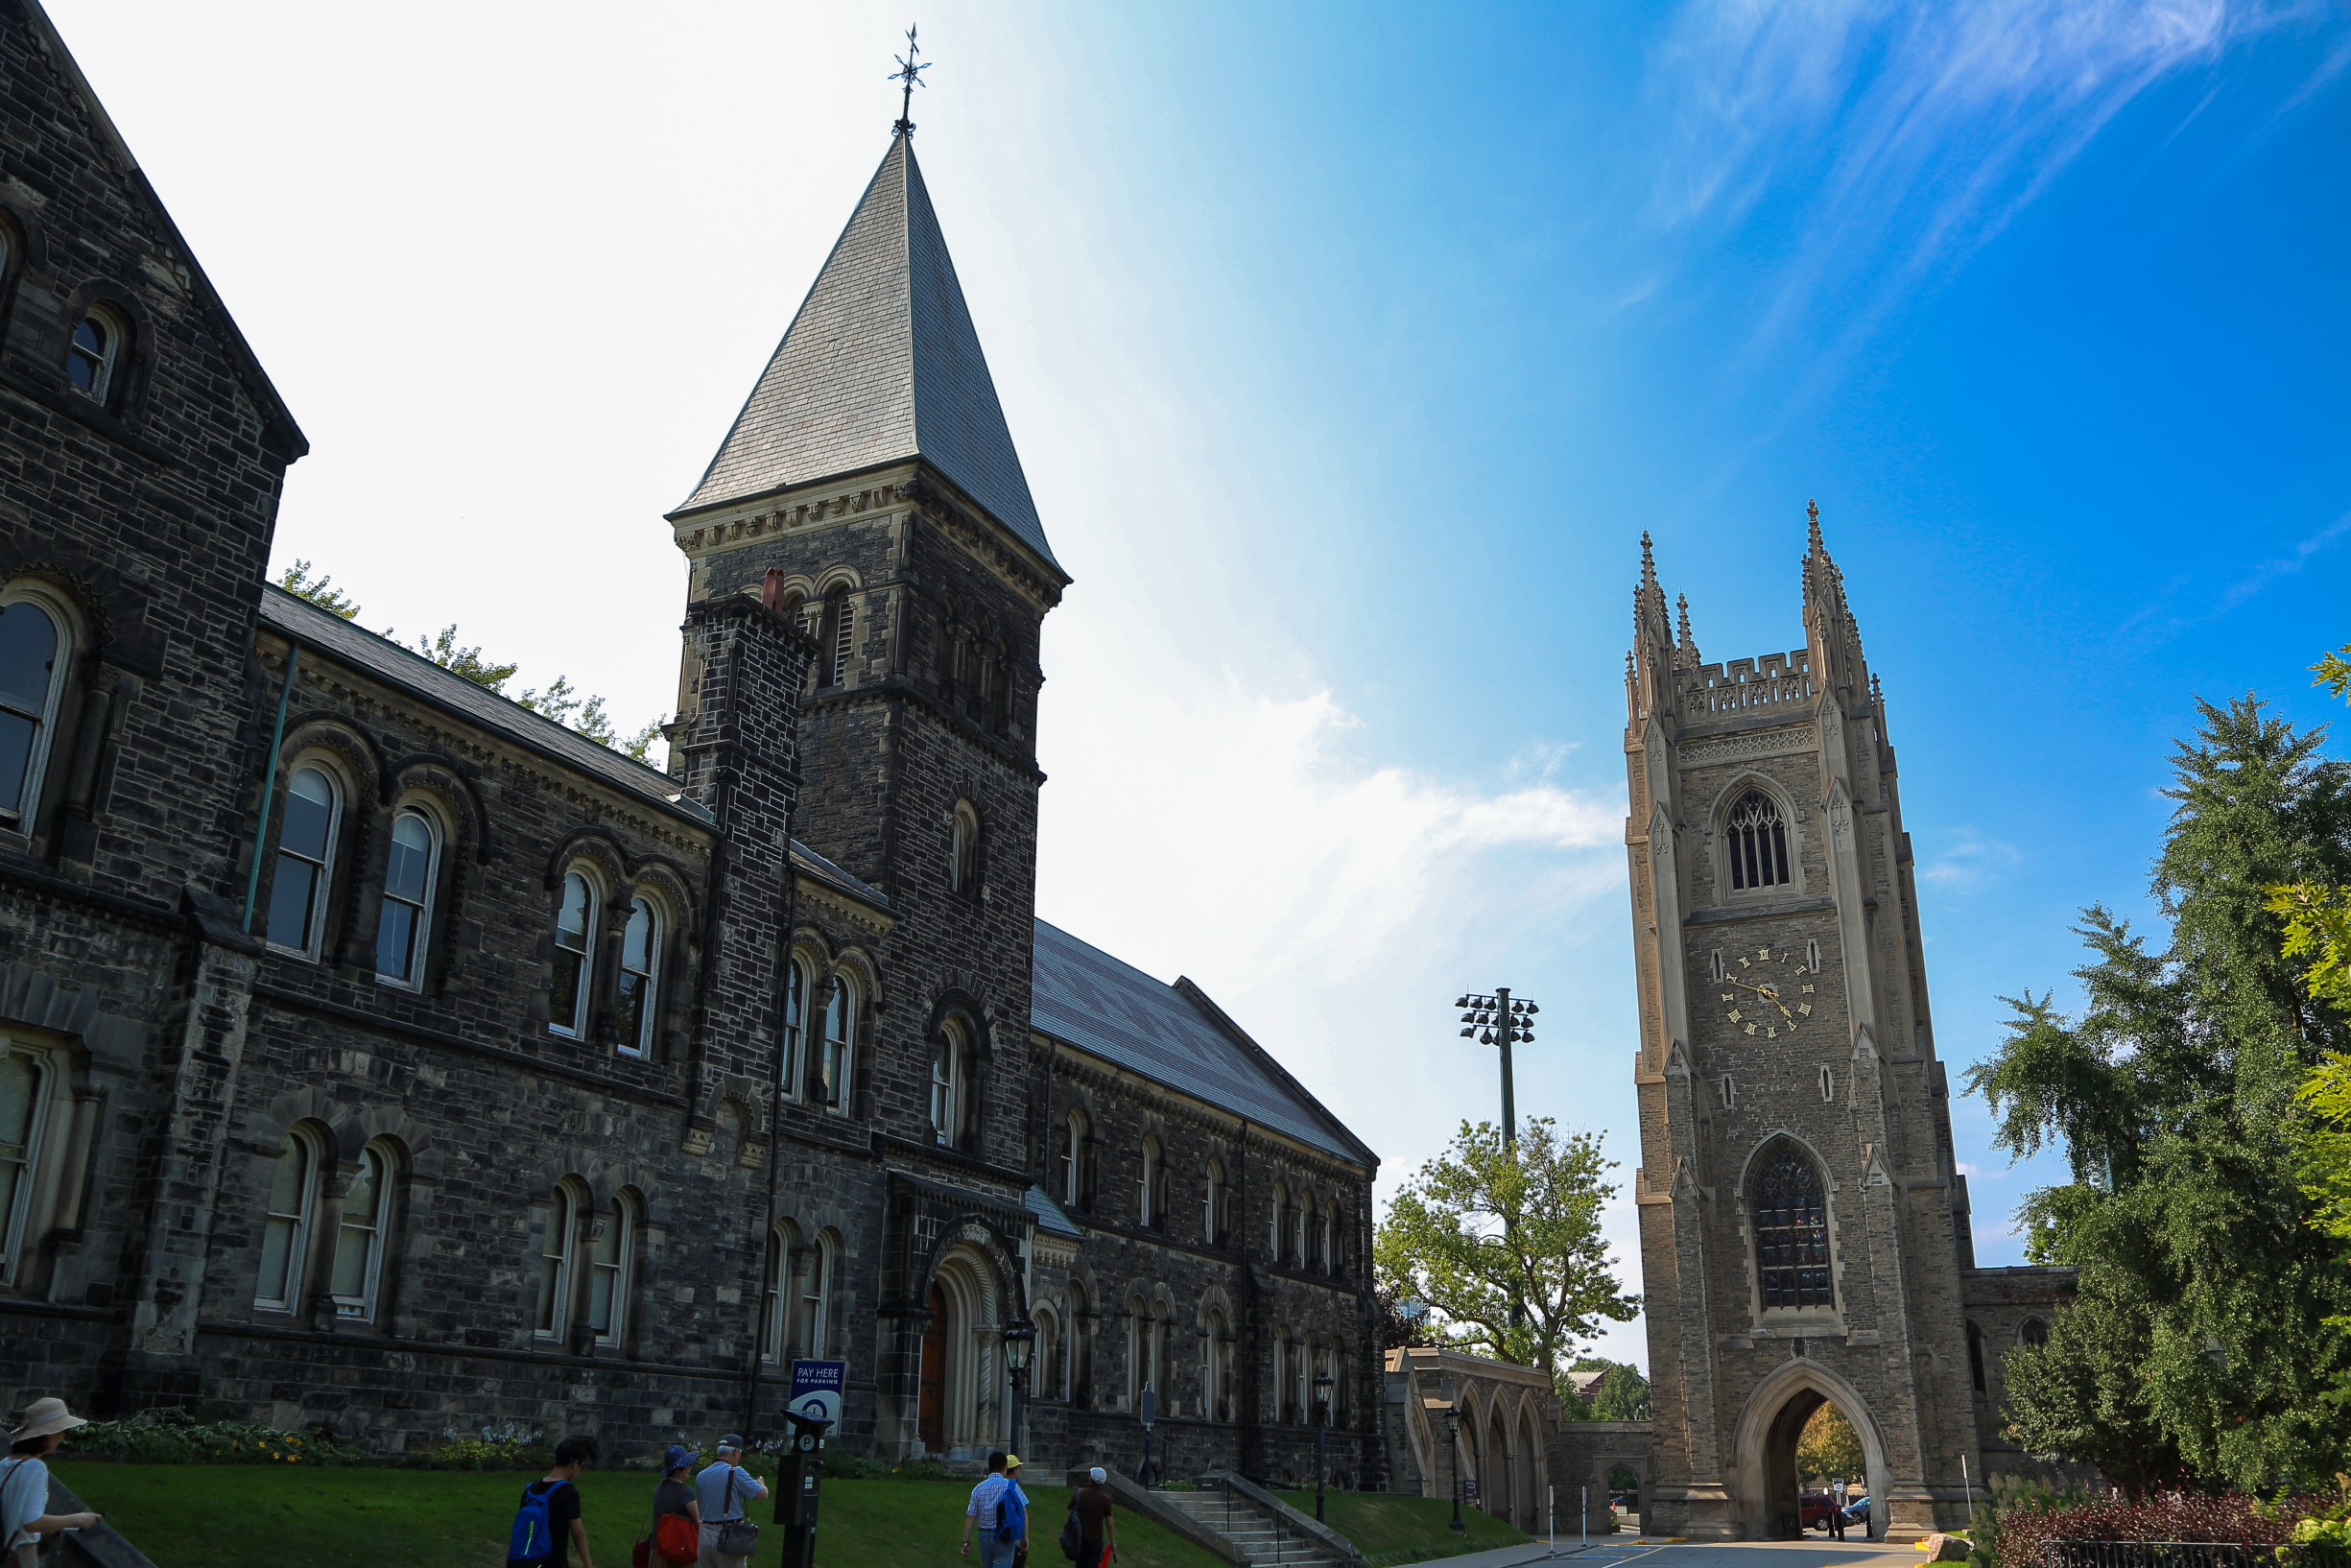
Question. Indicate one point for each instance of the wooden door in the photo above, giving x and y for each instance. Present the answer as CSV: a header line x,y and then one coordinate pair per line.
x,y
931,1416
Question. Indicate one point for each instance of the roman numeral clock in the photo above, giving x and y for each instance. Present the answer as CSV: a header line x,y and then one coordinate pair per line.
x,y
1768,991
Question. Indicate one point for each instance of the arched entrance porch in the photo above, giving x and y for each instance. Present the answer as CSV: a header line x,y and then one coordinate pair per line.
x,y
1764,1480
962,1408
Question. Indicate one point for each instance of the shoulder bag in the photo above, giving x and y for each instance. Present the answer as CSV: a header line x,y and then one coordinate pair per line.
x,y
737,1538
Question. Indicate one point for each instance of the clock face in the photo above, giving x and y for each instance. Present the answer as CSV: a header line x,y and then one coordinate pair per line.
x,y
1768,991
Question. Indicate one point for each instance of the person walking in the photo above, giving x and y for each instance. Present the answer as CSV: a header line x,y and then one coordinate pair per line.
x,y
986,1510
24,1482
1012,1515
1097,1530
677,1511
724,1488
547,1525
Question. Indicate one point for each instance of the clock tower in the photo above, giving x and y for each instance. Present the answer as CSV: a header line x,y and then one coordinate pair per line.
x,y
1804,1235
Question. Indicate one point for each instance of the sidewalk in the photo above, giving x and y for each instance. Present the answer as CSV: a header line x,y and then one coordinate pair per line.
x,y
1610,1551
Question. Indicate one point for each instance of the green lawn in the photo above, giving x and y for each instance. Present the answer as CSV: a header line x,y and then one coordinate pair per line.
x,y
1387,1528
247,1517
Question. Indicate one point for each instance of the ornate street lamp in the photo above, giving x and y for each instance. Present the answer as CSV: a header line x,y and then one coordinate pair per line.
x,y
1453,1442
1322,1432
1019,1340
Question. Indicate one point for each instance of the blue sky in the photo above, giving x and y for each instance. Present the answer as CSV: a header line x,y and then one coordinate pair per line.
x,y
1349,350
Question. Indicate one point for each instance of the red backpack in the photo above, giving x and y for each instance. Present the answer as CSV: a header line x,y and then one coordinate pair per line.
x,y
677,1538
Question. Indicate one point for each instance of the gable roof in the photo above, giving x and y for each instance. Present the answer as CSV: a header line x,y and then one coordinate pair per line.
x,y
1084,997
881,364
283,437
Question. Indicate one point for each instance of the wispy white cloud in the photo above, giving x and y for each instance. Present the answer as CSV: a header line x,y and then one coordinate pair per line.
x,y
1921,130
2164,616
1971,861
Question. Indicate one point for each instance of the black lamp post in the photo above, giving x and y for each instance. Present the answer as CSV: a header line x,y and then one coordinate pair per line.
x,y
1502,1019
1322,1433
1453,1442
1019,1339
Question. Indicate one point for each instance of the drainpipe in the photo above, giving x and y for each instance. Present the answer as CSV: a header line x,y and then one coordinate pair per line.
x,y
268,781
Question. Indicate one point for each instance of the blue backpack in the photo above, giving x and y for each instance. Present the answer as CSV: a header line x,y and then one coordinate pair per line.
x,y
534,1536
1012,1513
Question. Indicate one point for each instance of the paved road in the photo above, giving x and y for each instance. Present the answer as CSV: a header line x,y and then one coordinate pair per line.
x,y
1621,1552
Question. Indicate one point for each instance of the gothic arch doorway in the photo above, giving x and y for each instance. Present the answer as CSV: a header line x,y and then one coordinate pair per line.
x,y
1764,1475
962,1405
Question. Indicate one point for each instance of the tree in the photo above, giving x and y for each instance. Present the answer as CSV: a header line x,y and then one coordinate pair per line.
x,y
1828,1448
1623,1393
2197,1345
558,702
1503,1242
1403,1323
320,591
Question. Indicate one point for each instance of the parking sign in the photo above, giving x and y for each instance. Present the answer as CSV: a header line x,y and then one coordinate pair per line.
x,y
816,1389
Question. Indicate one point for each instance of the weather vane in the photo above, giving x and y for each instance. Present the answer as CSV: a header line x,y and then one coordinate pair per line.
x,y
910,73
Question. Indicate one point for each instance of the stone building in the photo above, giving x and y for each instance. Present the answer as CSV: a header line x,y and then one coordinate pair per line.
x,y
1804,1231
378,1054
1482,1427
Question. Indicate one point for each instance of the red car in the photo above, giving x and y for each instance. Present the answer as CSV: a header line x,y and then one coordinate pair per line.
x,y
1816,1506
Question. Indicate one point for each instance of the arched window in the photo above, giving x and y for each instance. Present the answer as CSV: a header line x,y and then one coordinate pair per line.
x,y
1073,1159
813,1328
1216,1356
558,1223
24,1113
1047,1358
1791,1231
1138,1320
2034,1334
840,628
1212,1211
838,1053
402,923
777,1312
575,920
1274,1233
1975,1356
947,1073
609,1255
1081,1348
359,1243
964,850
1298,1212
800,985
93,359
1330,1237
1756,843
306,831
285,1231
636,996
33,658
1148,1184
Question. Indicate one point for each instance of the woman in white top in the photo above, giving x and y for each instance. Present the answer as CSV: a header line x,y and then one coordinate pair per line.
x,y
24,1482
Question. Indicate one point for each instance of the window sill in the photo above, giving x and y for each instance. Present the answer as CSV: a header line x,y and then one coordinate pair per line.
x,y
83,412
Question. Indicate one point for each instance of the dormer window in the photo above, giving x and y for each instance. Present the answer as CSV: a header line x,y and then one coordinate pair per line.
x,y
94,353
1756,843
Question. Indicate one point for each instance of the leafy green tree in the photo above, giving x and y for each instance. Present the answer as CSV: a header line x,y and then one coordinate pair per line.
x,y
1623,1393
2198,1344
469,663
1829,1449
320,591
1503,1243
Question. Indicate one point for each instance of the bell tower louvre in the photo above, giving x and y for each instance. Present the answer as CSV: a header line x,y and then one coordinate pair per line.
x,y
1804,1232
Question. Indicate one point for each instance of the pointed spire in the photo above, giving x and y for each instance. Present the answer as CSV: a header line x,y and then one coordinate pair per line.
x,y
1812,510
1688,643
1648,563
881,364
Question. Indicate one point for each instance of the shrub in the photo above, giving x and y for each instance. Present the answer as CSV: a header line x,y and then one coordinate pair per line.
x,y
172,1438
2230,1518
511,1449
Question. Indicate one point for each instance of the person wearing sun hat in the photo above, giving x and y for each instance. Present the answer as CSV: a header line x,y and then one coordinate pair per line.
x,y
675,1499
24,1479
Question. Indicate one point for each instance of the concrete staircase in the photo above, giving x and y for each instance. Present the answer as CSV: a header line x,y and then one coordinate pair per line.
x,y
1261,1537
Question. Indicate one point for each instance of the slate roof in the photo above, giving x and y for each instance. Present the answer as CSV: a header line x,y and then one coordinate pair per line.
x,y
881,364
1082,995
398,667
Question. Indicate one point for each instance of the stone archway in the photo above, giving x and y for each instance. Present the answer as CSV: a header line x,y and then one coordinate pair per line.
x,y
962,1411
1763,1472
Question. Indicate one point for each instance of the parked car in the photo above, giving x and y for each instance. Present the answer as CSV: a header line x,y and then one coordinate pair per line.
x,y
1816,1506
1859,1511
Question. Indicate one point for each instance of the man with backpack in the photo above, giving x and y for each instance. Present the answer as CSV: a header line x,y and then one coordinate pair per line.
x,y
1000,1509
1088,1536
547,1525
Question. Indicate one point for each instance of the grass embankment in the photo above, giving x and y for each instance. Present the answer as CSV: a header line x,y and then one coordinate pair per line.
x,y
1389,1528
255,1516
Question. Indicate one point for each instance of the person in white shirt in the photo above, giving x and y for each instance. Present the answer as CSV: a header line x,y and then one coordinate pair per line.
x,y
724,1488
24,1479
